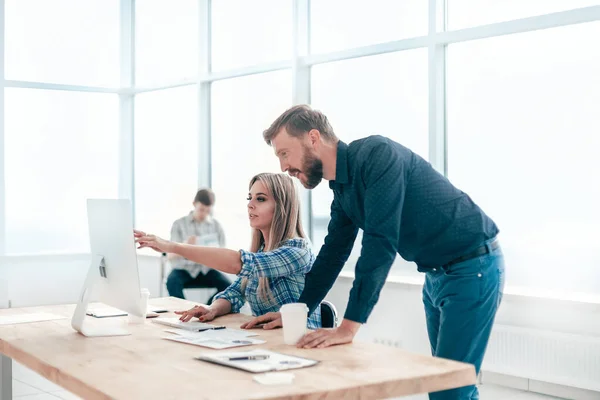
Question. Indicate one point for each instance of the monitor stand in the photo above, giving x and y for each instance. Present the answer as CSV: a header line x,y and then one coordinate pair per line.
x,y
97,271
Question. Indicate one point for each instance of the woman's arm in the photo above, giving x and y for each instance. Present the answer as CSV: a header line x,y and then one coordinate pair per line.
x,y
225,260
233,295
220,307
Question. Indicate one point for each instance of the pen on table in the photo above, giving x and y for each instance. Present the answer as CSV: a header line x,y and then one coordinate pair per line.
x,y
259,357
211,329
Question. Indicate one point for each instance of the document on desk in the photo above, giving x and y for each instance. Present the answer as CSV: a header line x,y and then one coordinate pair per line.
x,y
190,325
214,339
230,333
28,318
257,360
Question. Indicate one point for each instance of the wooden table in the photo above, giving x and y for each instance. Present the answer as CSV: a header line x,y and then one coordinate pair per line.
x,y
144,366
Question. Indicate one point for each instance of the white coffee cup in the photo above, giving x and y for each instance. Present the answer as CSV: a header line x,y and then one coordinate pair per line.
x,y
294,317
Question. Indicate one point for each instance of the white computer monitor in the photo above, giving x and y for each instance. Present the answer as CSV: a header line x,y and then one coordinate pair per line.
x,y
113,277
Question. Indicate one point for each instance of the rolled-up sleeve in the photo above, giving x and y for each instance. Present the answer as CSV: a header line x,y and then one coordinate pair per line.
x,y
233,294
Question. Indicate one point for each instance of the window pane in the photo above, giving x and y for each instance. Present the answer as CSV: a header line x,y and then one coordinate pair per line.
x,y
63,41
250,32
60,149
342,24
242,109
523,140
384,95
468,13
166,43
166,157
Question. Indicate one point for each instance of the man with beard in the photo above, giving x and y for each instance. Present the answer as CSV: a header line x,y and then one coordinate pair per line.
x,y
404,207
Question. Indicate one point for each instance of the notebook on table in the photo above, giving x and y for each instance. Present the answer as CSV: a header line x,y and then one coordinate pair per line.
x,y
257,361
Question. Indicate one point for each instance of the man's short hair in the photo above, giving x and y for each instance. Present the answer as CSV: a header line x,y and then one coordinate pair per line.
x,y
205,196
299,120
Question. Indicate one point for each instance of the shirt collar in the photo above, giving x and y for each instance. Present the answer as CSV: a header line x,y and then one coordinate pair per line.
x,y
341,165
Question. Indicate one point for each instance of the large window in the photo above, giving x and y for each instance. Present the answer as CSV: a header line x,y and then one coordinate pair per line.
x,y
166,157
523,138
468,13
509,112
166,45
60,149
250,32
382,95
242,109
62,41
342,24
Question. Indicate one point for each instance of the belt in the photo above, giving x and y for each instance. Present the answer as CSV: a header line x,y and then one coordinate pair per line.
x,y
478,252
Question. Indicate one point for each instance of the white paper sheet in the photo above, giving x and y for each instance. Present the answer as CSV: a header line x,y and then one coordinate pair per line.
x,y
215,342
274,378
229,333
274,362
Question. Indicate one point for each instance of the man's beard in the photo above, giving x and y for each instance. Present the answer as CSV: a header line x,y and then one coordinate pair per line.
x,y
313,170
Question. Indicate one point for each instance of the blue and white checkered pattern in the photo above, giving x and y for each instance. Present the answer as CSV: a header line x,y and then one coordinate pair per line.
x,y
285,268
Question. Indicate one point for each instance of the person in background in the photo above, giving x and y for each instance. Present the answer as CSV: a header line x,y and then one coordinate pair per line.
x,y
200,228
272,273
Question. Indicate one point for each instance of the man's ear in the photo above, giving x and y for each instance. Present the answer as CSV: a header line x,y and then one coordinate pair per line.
x,y
314,138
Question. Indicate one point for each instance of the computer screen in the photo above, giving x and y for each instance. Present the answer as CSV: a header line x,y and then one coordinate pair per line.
x,y
113,277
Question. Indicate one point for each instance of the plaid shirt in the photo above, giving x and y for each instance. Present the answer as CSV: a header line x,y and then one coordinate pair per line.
x,y
285,267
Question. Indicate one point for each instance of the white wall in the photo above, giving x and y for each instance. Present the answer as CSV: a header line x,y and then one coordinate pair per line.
x,y
399,315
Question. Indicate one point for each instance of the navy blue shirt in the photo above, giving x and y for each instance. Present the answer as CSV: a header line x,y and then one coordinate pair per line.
x,y
404,206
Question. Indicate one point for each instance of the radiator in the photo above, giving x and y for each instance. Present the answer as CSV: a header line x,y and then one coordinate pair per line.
x,y
561,358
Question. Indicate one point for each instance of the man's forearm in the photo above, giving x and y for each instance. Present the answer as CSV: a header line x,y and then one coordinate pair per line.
x,y
351,326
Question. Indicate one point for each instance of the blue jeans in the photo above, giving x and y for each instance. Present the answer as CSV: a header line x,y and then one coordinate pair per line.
x,y
180,279
460,305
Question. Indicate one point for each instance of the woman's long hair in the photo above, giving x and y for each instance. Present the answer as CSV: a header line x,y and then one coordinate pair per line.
x,y
286,223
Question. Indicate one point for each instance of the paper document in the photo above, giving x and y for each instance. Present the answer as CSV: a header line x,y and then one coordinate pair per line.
x,y
229,333
215,341
258,360
274,378
27,318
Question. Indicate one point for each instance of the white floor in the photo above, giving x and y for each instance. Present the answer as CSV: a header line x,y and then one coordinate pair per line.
x,y
28,385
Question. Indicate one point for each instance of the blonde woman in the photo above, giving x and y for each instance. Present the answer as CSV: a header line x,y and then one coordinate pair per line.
x,y
272,272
